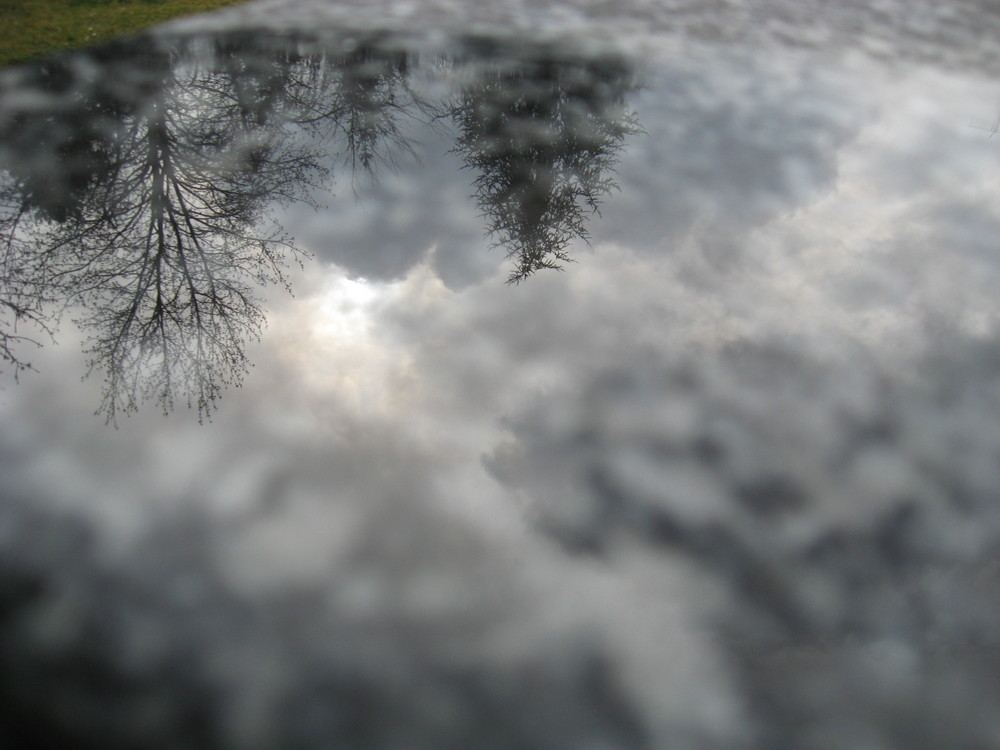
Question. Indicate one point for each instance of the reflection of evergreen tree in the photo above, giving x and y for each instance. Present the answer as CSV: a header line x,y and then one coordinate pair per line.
x,y
543,137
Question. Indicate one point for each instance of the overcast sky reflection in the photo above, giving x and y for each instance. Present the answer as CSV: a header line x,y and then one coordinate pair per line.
x,y
836,205
371,317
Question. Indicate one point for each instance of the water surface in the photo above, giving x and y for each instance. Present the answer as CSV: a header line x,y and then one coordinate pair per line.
x,y
383,381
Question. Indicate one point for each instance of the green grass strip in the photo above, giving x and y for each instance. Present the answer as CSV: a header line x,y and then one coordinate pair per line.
x,y
33,28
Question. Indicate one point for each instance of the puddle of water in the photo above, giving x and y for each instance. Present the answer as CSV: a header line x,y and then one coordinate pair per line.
x,y
386,335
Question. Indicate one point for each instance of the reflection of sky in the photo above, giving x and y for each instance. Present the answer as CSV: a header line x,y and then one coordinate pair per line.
x,y
841,209
831,206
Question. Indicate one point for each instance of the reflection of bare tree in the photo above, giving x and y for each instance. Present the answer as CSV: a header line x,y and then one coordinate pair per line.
x,y
543,137
22,297
171,269
148,214
54,155
164,251
143,204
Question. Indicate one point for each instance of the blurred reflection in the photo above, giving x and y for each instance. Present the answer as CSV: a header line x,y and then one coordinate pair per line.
x,y
138,186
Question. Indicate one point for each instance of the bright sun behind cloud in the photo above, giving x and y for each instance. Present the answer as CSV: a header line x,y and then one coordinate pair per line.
x,y
345,307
